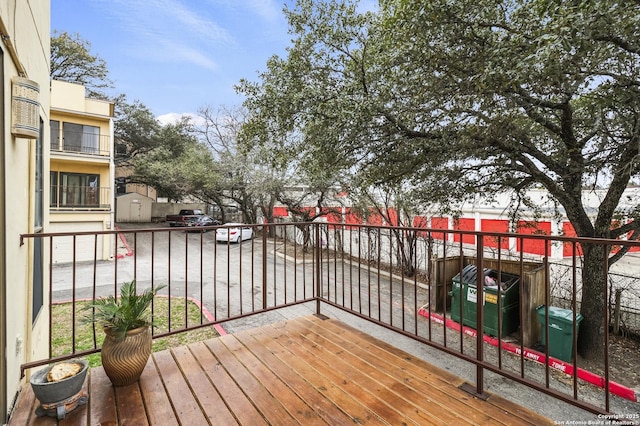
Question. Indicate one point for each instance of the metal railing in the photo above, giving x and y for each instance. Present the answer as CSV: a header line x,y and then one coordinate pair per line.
x,y
82,143
74,197
397,278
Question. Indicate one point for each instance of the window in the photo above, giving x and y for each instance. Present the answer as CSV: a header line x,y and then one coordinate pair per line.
x,y
121,185
122,150
39,181
38,263
81,138
55,134
74,190
38,278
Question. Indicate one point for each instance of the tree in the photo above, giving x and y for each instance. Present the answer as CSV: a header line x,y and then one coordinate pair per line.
x,y
136,130
72,61
396,206
532,93
178,165
473,97
218,130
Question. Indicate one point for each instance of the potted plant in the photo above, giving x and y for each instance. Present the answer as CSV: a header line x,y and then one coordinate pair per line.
x,y
126,323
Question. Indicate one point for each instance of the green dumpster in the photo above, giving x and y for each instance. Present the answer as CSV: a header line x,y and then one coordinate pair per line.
x,y
464,293
560,331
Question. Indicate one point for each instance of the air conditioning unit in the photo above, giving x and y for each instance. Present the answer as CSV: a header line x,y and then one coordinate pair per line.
x,y
25,118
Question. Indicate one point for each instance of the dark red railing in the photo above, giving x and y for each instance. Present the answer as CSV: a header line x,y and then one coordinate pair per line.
x,y
403,279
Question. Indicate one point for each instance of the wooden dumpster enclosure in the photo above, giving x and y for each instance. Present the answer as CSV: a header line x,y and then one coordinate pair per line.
x,y
532,287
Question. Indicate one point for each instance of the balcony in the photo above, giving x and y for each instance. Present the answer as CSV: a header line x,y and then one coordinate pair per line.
x,y
309,370
79,198
81,143
338,330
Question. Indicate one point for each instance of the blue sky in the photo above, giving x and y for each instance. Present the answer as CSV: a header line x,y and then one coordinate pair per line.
x,y
176,56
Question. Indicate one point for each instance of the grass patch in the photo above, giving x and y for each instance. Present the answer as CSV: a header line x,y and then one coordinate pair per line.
x,y
62,327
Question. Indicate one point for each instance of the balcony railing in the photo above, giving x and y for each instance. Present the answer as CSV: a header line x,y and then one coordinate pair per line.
x,y
397,278
74,197
82,143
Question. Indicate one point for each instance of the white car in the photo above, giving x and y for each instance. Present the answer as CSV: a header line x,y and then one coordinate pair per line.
x,y
234,232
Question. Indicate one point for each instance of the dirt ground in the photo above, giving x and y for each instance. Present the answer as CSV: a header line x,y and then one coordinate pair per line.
x,y
624,362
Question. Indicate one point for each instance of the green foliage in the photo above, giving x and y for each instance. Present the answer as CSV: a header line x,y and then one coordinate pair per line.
x,y
451,101
72,61
128,311
136,129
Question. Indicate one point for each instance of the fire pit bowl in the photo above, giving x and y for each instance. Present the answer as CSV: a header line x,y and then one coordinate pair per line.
x,y
61,390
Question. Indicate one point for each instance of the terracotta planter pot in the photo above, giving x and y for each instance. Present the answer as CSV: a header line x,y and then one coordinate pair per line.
x,y
124,360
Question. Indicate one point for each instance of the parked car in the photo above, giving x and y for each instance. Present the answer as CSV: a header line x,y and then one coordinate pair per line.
x,y
234,232
200,222
181,218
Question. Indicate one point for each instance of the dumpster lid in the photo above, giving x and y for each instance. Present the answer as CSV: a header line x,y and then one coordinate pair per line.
x,y
470,273
559,313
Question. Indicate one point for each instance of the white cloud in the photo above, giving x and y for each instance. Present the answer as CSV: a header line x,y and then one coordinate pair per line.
x,y
174,117
164,18
269,10
187,53
166,30
193,22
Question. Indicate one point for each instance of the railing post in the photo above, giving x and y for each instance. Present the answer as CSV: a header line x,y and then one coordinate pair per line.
x,y
265,229
605,269
480,314
318,275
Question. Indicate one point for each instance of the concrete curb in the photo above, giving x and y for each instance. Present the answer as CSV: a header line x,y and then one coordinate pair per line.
x,y
556,364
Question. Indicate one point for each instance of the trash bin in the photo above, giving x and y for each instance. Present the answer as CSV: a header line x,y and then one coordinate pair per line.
x,y
560,331
465,288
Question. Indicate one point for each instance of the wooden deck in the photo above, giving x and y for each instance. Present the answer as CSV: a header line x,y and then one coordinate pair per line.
x,y
304,371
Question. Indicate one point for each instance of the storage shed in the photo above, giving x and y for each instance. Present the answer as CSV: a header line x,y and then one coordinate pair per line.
x,y
133,207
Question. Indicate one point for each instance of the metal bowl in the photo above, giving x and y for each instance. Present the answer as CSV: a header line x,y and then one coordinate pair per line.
x,y
52,392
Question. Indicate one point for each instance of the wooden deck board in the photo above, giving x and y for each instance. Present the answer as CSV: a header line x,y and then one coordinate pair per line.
x,y
290,400
458,400
24,407
308,383
388,390
102,406
182,398
130,406
380,399
210,401
267,403
403,386
157,402
235,399
423,378
302,371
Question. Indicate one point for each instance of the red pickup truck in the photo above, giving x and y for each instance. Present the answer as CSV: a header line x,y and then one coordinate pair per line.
x,y
183,217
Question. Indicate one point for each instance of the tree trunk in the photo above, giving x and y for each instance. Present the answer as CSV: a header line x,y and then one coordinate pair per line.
x,y
405,251
306,237
591,342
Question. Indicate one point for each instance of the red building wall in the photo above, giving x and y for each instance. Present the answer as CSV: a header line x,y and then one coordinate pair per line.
x,y
531,245
495,225
464,224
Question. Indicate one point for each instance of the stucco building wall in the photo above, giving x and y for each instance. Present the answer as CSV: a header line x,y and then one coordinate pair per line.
x,y
24,52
